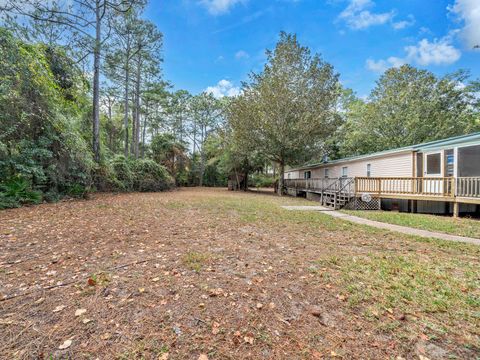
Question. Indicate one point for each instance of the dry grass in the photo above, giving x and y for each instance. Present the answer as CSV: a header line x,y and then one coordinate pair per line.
x,y
230,275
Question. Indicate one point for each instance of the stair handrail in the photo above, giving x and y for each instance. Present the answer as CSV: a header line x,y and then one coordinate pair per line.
x,y
335,183
347,183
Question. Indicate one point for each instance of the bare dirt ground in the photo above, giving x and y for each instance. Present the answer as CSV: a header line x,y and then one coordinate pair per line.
x,y
210,274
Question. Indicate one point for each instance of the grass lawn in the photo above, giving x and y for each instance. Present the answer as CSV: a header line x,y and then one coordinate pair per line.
x,y
227,275
443,224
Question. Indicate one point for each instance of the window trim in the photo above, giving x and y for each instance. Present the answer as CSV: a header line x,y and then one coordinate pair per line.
x,y
440,165
344,171
369,170
326,173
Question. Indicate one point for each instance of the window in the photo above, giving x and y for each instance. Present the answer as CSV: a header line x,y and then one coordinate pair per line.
x,y
307,174
345,171
434,164
369,170
326,173
289,175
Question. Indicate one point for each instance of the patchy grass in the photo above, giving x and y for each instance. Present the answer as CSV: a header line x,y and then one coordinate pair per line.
x,y
448,225
195,261
258,270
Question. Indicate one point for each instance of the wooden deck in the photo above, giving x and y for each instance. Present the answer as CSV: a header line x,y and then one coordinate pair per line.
x,y
448,189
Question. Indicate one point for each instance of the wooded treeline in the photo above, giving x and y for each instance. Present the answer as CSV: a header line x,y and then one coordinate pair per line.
x,y
296,111
84,106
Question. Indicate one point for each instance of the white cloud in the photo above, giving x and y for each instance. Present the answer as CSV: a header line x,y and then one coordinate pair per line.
x,y
381,66
241,55
399,25
219,7
440,52
222,89
437,52
469,12
358,17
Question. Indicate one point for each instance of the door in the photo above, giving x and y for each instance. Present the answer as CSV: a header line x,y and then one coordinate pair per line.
x,y
432,169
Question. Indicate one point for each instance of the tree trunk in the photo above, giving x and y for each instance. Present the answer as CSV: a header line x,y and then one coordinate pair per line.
x,y
137,107
202,156
134,123
112,127
281,179
96,84
144,132
127,101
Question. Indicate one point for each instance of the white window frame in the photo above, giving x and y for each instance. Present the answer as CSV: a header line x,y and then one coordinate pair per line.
x,y
305,174
345,171
326,173
425,164
369,170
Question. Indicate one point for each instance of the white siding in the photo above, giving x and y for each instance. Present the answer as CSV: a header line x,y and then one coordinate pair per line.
x,y
394,165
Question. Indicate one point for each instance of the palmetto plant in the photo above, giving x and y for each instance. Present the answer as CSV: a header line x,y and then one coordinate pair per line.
x,y
17,191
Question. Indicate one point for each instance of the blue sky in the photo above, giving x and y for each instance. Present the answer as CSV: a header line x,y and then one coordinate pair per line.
x,y
214,44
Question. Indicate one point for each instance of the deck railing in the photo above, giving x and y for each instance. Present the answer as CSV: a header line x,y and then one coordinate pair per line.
x,y
431,186
310,184
468,187
445,187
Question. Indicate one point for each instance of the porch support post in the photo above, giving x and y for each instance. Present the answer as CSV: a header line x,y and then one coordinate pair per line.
x,y
455,209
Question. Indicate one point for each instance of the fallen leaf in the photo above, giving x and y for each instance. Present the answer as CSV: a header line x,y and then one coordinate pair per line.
x,y
105,336
259,306
248,339
215,328
66,344
164,356
203,357
86,321
156,279
141,290
59,308
80,312
91,282
216,292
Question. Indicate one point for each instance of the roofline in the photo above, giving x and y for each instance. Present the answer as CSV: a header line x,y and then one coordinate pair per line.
x,y
430,145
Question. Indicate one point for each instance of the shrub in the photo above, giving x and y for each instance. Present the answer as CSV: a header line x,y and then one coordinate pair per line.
x,y
149,176
261,180
123,172
18,191
106,179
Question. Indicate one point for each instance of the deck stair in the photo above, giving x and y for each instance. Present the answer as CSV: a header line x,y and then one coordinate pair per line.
x,y
338,194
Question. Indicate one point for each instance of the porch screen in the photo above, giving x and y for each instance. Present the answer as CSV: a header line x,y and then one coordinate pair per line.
x,y
469,161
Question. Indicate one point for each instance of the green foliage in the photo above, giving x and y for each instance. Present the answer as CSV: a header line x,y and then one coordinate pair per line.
x,y
261,181
129,174
409,106
17,191
150,176
287,110
171,153
42,97
123,172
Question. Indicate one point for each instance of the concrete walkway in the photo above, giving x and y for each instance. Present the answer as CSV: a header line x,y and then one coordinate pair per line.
x,y
386,226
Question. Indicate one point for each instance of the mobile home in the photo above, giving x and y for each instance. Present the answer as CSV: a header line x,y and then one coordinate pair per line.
x,y
435,177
